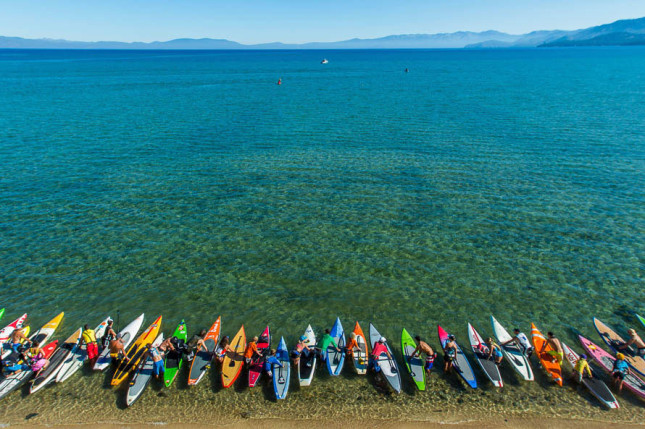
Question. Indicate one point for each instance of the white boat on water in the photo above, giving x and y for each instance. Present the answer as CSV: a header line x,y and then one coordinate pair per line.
x,y
324,61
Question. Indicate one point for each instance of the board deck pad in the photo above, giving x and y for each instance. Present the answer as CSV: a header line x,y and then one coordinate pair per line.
x,y
597,387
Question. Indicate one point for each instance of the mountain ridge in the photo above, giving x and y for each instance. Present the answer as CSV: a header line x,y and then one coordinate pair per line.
x,y
621,32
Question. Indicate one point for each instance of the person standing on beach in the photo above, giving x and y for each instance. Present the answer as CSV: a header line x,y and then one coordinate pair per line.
x,y
580,368
301,349
117,350
522,341
620,371
89,339
157,360
449,353
325,342
252,351
557,352
423,347
109,335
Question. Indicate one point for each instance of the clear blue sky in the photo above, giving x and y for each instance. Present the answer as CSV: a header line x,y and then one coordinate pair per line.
x,y
295,21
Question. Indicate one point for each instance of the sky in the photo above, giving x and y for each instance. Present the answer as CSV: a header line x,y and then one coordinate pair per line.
x,y
297,21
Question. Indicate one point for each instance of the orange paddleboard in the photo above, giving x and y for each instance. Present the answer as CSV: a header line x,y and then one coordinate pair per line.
x,y
232,365
546,360
360,357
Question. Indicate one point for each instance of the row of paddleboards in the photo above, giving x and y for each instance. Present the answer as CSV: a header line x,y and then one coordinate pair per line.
x,y
68,357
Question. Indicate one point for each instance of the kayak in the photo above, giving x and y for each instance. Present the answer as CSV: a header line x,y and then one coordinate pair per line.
x,y
257,363
336,359
613,340
307,364
6,332
42,335
553,369
281,373
136,352
142,376
360,357
606,362
597,387
512,351
642,319
56,361
202,360
175,358
75,360
460,362
481,350
127,335
413,362
233,361
388,365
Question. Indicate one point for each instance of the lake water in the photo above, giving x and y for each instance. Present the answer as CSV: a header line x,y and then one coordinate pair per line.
x,y
189,184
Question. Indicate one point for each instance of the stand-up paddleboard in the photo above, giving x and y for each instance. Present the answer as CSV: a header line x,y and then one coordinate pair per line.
x,y
136,352
77,358
281,374
597,387
460,362
127,334
642,319
413,362
203,358
175,358
336,359
481,350
6,332
512,351
14,381
307,364
142,376
552,368
606,362
1,313
56,361
257,363
234,360
388,365
360,357
41,336
613,340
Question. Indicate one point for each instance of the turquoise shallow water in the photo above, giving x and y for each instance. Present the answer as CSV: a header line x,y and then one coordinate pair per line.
x,y
189,184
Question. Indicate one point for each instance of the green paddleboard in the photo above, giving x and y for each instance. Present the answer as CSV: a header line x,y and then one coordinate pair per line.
x,y
413,363
1,313
642,319
175,359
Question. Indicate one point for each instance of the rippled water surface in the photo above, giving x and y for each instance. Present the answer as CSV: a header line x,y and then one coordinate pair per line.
x,y
189,184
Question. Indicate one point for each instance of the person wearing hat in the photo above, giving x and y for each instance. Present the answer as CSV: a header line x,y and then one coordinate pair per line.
x,y
377,350
580,367
634,340
301,349
449,353
620,371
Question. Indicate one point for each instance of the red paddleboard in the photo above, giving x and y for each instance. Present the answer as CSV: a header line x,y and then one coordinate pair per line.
x,y
255,368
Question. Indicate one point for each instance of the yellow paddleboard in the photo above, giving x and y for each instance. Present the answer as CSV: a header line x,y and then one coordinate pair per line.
x,y
232,365
136,352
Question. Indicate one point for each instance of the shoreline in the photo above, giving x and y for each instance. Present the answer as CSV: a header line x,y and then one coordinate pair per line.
x,y
527,420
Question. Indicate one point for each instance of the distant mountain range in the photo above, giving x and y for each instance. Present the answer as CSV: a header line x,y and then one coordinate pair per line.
x,y
623,32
